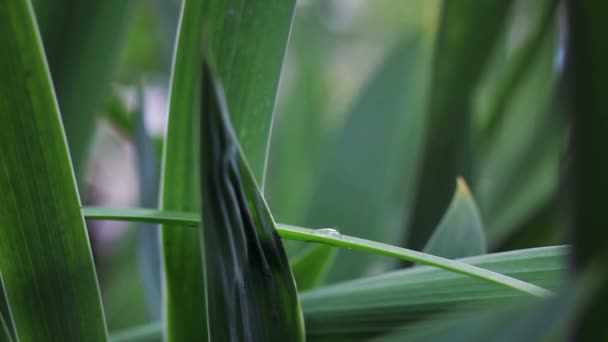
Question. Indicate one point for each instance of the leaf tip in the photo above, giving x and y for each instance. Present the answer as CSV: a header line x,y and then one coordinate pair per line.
x,y
462,187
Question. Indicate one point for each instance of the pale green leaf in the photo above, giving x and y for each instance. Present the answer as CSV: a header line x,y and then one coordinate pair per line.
x,y
460,233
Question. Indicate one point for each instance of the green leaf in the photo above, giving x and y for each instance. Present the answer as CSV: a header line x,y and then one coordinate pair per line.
x,y
248,39
362,308
467,34
184,289
45,258
460,233
331,237
82,41
516,320
250,287
311,266
246,42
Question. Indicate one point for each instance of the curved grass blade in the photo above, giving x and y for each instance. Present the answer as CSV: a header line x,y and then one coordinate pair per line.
x,y
339,240
460,233
250,289
45,257
183,280
311,266
362,308
467,34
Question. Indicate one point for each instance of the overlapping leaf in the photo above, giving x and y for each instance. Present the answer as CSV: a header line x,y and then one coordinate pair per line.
x,y
250,289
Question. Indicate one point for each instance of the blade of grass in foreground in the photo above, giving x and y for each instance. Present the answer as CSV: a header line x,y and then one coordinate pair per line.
x,y
330,237
250,289
45,257
183,281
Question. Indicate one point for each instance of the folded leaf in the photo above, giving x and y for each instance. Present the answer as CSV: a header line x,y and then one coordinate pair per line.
x,y
250,289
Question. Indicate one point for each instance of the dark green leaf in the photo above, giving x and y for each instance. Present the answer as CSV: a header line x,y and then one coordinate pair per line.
x,y
45,258
467,34
460,233
250,289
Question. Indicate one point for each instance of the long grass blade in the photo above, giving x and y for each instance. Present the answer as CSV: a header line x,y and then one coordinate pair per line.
x,y
333,238
185,314
45,257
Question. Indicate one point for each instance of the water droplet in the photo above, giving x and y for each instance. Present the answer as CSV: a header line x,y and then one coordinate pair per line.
x,y
328,232
231,12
